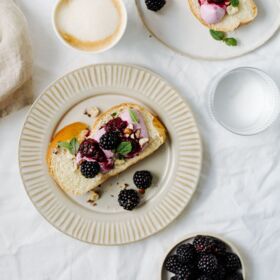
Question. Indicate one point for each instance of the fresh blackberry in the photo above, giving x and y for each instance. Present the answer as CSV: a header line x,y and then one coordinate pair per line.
x,y
235,276
128,199
202,244
185,273
174,278
90,169
218,247
109,140
204,277
142,179
155,5
208,244
186,254
172,264
207,264
219,274
232,262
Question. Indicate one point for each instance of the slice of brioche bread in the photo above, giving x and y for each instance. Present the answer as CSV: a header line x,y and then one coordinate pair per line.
x,y
62,164
246,13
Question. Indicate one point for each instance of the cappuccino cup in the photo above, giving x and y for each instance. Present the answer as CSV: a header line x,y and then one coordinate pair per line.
x,y
92,26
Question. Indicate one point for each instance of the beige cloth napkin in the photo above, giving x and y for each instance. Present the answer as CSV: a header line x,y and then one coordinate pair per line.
x,y
15,59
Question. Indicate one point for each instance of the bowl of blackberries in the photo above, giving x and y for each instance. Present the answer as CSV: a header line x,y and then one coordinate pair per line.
x,y
203,257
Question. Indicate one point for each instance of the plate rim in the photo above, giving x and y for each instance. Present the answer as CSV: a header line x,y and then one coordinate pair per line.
x,y
132,66
205,58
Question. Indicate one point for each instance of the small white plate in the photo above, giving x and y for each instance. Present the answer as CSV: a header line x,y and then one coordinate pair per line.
x,y
165,275
175,166
177,28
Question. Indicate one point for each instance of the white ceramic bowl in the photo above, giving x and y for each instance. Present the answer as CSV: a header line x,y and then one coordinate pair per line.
x,y
118,38
244,100
164,275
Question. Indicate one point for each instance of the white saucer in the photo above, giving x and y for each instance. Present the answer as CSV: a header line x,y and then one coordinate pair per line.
x,y
177,28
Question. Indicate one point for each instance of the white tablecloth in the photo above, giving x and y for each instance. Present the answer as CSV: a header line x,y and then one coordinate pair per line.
x,y
238,194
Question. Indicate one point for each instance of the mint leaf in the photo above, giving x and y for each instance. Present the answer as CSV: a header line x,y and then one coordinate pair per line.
x,y
114,114
221,36
124,148
217,35
74,146
230,41
71,146
133,116
234,3
64,145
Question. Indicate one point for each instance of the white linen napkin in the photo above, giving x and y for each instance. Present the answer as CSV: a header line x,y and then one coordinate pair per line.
x,y
15,59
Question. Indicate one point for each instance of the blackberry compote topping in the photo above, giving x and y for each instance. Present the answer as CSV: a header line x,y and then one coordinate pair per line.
x,y
90,148
116,124
218,2
136,148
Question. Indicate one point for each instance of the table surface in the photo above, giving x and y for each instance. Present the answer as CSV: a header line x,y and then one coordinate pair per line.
x,y
237,197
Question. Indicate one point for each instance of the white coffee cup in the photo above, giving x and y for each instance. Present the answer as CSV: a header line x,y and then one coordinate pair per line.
x,y
91,26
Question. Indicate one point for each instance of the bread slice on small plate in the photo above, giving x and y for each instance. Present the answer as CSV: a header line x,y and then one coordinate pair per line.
x,y
63,165
247,12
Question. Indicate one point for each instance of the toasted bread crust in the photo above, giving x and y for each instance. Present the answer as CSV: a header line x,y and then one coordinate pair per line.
x,y
73,130
231,28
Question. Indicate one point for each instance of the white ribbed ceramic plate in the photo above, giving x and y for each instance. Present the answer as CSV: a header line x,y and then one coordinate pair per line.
x,y
177,28
176,165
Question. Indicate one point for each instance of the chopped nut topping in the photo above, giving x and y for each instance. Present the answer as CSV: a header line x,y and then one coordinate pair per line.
x,y
128,131
138,133
93,196
92,112
143,141
130,126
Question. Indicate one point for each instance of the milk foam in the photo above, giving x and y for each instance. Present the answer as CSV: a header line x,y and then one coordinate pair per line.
x,y
85,22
